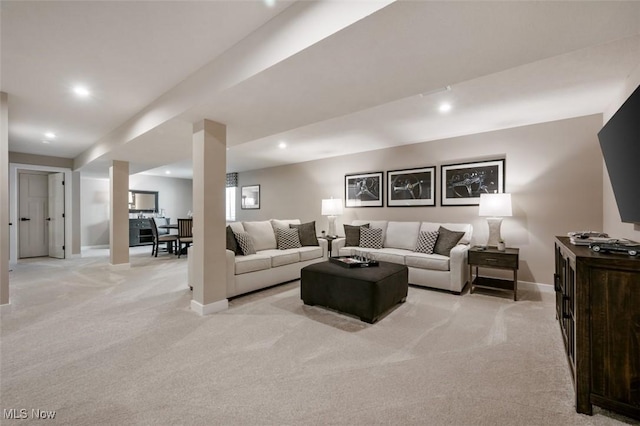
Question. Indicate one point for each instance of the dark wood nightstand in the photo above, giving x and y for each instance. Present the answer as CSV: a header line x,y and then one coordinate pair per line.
x,y
491,257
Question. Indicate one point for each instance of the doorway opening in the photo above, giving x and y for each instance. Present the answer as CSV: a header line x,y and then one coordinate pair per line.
x,y
41,213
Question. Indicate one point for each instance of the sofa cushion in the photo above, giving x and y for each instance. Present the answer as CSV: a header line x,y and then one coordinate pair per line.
x,y
382,224
310,252
236,226
283,223
282,257
391,255
232,243
447,240
252,263
352,234
426,242
427,261
464,227
287,238
245,242
307,231
402,235
262,233
371,238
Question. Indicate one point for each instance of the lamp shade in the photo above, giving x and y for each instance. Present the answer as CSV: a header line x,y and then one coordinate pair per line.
x,y
332,207
495,205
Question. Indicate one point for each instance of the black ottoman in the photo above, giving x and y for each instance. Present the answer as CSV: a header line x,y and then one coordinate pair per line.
x,y
364,292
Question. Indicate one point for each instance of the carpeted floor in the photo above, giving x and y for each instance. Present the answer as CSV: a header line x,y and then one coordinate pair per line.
x,y
102,346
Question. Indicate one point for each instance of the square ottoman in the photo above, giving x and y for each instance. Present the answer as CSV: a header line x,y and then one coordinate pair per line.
x,y
367,293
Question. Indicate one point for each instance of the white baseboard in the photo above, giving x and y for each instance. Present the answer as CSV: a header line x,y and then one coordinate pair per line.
x,y
120,266
211,308
531,286
99,246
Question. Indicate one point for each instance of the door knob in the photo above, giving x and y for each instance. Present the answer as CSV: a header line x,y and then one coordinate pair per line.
x,y
23,219
48,219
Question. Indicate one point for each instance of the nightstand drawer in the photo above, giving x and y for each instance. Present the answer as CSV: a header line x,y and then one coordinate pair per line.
x,y
493,259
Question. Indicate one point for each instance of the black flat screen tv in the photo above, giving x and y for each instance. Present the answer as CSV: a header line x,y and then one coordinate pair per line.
x,y
620,145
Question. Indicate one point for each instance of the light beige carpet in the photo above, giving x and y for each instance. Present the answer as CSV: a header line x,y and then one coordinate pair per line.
x,y
100,346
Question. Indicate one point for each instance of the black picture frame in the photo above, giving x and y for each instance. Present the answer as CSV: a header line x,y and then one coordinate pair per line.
x,y
462,184
250,197
141,201
364,190
412,187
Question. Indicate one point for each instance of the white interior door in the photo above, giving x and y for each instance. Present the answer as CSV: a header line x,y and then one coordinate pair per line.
x,y
55,218
33,211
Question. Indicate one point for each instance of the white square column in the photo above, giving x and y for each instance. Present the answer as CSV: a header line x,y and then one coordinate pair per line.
x,y
119,211
208,256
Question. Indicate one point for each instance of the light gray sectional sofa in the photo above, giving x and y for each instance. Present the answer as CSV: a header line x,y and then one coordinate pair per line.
x,y
399,240
269,266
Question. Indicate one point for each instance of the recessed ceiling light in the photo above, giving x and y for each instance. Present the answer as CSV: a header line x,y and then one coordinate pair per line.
x,y
168,172
46,141
81,91
444,107
282,145
270,3
50,135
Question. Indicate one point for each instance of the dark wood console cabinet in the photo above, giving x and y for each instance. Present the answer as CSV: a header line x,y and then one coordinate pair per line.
x,y
598,308
140,232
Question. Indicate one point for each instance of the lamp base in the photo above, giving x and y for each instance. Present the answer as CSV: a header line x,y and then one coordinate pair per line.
x,y
494,231
332,226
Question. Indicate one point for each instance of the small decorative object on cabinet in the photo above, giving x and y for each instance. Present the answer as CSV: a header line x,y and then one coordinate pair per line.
x,y
598,308
492,257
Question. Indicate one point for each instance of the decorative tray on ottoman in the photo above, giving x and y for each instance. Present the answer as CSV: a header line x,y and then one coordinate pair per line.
x,y
353,261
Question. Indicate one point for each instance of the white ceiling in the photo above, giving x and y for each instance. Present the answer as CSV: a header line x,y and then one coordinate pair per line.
x,y
366,79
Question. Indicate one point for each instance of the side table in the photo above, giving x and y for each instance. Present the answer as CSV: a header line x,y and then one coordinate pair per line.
x,y
329,239
491,257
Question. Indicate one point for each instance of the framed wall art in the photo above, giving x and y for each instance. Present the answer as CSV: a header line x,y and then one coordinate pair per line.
x,y
364,190
250,197
462,184
411,187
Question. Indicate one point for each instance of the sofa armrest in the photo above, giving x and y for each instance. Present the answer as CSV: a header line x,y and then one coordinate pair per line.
x,y
337,244
458,266
231,272
325,246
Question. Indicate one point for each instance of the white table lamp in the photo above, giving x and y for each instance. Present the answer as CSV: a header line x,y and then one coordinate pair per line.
x,y
495,207
332,208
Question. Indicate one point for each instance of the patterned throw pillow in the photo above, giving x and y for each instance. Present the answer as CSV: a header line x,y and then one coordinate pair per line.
x,y
446,241
307,233
371,238
245,242
288,238
352,235
426,242
232,243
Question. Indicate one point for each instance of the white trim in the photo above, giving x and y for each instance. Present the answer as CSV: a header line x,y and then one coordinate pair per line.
x,y
98,246
119,266
529,286
13,206
211,308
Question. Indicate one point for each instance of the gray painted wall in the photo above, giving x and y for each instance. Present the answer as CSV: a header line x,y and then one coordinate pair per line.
x,y
174,195
553,171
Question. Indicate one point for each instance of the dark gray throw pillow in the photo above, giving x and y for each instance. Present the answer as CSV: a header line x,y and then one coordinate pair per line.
x,y
446,241
232,244
307,233
352,234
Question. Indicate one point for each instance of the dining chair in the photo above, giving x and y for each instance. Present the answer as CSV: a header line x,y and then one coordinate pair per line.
x,y
171,240
185,234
